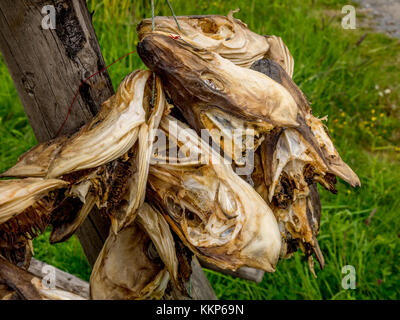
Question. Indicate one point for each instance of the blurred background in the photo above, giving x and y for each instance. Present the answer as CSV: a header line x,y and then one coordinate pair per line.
x,y
351,76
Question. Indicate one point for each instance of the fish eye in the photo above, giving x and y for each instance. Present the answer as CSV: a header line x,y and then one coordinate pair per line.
x,y
227,232
174,209
211,82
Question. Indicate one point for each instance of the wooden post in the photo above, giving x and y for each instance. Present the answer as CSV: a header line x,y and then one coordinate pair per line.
x,y
47,66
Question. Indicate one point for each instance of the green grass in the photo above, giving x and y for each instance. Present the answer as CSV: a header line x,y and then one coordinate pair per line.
x,y
343,80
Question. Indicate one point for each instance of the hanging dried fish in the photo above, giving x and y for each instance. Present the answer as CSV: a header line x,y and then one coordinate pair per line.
x,y
294,199
158,230
110,134
102,155
232,102
131,264
202,68
211,92
216,214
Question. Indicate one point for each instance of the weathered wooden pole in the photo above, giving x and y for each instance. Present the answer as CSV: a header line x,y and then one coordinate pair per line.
x,y
47,66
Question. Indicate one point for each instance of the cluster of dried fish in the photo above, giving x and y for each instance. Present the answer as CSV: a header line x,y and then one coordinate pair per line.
x,y
210,73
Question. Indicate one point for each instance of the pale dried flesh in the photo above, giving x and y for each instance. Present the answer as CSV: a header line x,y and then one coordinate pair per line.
x,y
225,35
217,214
130,266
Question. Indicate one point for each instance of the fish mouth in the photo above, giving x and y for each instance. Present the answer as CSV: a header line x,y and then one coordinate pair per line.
x,y
207,206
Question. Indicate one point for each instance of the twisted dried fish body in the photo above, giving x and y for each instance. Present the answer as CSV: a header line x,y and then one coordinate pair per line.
x,y
110,134
144,275
158,230
215,213
293,159
227,36
102,157
137,182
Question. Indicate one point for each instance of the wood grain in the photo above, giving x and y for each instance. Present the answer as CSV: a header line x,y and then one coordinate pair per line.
x,y
63,280
47,67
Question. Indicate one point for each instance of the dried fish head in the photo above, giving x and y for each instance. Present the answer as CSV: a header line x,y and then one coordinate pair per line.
x,y
296,205
200,80
235,104
293,195
299,226
227,36
335,163
144,275
290,164
236,137
311,129
215,213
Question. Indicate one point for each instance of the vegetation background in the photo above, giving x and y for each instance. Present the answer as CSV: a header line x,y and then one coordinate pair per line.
x,y
350,75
